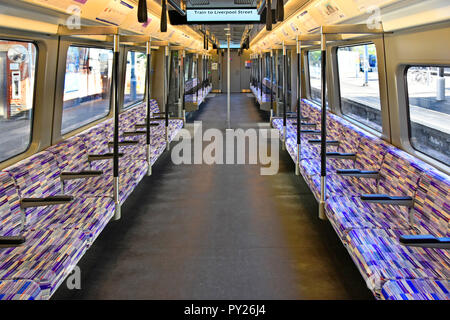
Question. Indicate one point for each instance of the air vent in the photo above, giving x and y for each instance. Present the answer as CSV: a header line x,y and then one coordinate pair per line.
x,y
245,2
199,2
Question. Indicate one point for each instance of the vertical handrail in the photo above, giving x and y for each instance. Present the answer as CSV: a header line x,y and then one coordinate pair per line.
x,y
261,77
299,106
323,145
166,94
277,80
183,85
198,78
284,96
149,109
117,213
228,83
271,86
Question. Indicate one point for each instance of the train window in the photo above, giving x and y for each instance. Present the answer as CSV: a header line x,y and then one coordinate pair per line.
x,y
135,78
315,85
429,111
17,77
358,83
87,86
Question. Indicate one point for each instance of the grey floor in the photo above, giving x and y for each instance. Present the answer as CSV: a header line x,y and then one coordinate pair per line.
x,y
219,232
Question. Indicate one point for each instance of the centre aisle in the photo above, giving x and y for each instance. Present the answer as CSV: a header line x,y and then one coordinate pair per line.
x,y
219,232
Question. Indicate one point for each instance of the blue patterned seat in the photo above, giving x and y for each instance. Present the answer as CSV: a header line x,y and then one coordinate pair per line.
x,y
131,171
46,257
399,176
348,143
369,156
416,290
381,257
38,177
19,290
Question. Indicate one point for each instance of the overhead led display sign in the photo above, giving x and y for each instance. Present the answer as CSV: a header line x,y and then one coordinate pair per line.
x,y
222,15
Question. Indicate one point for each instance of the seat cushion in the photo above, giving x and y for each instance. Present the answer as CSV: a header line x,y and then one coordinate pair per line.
x,y
89,215
19,290
131,172
311,167
416,290
380,257
46,257
347,213
343,186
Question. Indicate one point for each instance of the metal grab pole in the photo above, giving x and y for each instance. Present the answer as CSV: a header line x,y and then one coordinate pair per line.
x,y
284,96
179,85
117,213
323,145
228,82
259,76
277,80
166,94
149,110
183,86
203,76
299,107
271,86
198,79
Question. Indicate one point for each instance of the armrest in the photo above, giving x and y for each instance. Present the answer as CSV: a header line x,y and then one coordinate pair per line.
x,y
134,133
304,124
124,143
358,173
425,241
162,113
341,155
80,175
11,241
310,131
104,156
159,118
144,126
42,202
328,142
406,201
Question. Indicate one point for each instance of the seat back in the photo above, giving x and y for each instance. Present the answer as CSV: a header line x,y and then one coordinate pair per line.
x,y
36,177
431,213
96,139
11,216
399,174
370,153
71,156
154,106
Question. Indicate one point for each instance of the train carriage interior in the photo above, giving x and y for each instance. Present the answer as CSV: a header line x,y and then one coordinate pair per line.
x,y
224,150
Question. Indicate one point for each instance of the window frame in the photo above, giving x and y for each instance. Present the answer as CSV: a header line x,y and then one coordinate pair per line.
x,y
63,65
33,105
135,103
338,84
308,75
408,111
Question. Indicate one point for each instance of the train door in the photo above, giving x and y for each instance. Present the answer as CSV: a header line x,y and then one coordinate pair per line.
x,y
174,83
3,80
235,71
216,74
